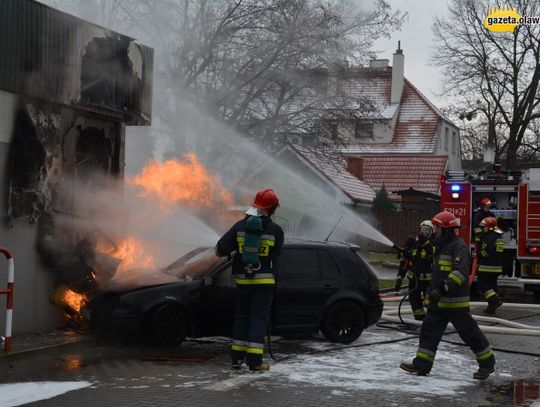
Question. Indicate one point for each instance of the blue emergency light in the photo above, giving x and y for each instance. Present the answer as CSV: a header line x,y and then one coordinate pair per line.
x,y
456,187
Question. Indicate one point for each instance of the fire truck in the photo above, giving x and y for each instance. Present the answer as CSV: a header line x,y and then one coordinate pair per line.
x,y
515,197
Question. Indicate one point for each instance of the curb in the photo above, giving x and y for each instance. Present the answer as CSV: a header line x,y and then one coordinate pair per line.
x,y
37,349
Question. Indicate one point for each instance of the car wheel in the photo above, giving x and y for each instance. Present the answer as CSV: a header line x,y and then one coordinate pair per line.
x,y
344,322
167,325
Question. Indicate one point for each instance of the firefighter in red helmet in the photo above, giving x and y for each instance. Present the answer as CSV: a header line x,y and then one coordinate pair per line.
x,y
490,259
256,242
481,213
448,301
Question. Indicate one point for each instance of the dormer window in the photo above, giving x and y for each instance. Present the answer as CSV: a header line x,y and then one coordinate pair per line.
x,y
363,129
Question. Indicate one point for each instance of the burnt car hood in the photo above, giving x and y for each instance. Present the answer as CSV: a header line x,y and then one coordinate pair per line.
x,y
193,266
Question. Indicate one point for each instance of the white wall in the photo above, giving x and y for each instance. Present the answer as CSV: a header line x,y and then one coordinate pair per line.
x,y
447,143
32,310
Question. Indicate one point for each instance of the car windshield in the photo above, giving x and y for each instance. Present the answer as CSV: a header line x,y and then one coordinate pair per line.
x,y
194,265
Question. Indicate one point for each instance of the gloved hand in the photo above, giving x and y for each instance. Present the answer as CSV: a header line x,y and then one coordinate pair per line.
x,y
398,284
434,297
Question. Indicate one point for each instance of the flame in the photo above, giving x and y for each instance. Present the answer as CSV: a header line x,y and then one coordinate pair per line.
x,y
131,252
73,300
182,181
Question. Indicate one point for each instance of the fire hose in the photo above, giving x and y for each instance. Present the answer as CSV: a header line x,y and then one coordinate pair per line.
x,y
513,328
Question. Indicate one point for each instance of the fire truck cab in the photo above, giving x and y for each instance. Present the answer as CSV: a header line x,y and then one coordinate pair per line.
x,y
515,197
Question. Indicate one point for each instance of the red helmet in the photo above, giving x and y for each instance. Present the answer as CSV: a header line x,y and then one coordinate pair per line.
x,y
489,222
445,220
266,200
485,201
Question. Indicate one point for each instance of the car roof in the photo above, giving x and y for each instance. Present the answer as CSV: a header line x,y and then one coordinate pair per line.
x,y
305,243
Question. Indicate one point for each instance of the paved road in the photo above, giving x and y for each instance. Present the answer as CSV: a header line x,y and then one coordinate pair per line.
x,y
311,372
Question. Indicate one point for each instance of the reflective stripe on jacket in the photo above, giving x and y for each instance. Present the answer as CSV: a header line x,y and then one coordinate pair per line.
x,y
451,268
490,252
270,244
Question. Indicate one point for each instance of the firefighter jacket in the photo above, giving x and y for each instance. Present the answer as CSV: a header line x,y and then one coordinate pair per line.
x,y
421,258
478,217
450,273
271,242
490,252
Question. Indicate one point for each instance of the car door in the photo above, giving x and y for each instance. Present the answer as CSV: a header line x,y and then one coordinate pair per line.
x,y
302,287
215,313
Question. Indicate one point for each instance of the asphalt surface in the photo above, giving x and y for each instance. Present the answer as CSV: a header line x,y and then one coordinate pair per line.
x,y
310,372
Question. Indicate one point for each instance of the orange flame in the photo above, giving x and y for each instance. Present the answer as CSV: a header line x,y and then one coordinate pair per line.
x,y
182,181
73,300
131,252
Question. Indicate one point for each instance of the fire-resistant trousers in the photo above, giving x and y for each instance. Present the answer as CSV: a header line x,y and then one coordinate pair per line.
x,y
487,285
417,293
432,331
253,310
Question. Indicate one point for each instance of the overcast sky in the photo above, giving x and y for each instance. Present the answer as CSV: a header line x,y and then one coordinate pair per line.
x,y
417,43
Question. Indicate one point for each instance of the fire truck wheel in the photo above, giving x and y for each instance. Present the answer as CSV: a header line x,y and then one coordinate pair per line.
x,y
343,322
167,325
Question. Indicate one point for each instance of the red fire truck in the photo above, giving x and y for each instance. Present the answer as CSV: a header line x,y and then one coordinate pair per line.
x,y
515,196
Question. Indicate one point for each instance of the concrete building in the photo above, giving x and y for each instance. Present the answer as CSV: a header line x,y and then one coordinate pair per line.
x,y
68,88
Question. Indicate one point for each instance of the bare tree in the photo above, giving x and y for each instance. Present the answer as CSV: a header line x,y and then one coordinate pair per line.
x,y
263,67
495,74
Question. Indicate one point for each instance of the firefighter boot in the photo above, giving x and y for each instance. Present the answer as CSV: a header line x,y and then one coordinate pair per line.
x,y
255,363
263,367
237,358
493,303
483,373
412,368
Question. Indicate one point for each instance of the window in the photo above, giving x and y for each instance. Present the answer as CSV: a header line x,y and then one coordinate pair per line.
x,y
446,141
329,268
298,264
363,129
333,130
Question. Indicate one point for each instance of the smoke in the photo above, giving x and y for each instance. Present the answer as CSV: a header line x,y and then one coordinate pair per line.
x,y
307,209
112,211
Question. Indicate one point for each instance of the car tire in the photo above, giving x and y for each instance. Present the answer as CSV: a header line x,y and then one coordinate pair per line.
x,y
343,322
167,325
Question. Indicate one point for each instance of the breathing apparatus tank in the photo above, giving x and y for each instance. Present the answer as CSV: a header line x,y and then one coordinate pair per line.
x,y
250,256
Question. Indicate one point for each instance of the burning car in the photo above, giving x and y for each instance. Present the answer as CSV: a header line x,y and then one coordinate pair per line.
x,y
320,286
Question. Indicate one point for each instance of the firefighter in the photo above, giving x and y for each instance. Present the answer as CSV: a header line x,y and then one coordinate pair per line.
x,y
448,301
481,213
490,259
405,256
420,274
257,242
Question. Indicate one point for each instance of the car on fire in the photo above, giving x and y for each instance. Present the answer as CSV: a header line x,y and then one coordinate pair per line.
x,y
320,286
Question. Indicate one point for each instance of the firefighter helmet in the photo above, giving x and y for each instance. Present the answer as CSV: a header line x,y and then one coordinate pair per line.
x,y
426,229
489,222
485,202
266,200
445,220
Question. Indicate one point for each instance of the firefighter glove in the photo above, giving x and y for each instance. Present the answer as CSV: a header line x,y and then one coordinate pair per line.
x,y
398,284
434,297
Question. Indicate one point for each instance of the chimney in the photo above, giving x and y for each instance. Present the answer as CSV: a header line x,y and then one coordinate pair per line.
x,y
355,166
397,75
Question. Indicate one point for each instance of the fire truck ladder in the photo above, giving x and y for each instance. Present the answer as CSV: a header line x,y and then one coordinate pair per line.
x,y
9,292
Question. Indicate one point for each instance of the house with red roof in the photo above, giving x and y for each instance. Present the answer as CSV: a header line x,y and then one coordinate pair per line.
x,y
406,143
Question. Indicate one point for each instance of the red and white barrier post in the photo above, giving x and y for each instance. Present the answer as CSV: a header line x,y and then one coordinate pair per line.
x,y
9,292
